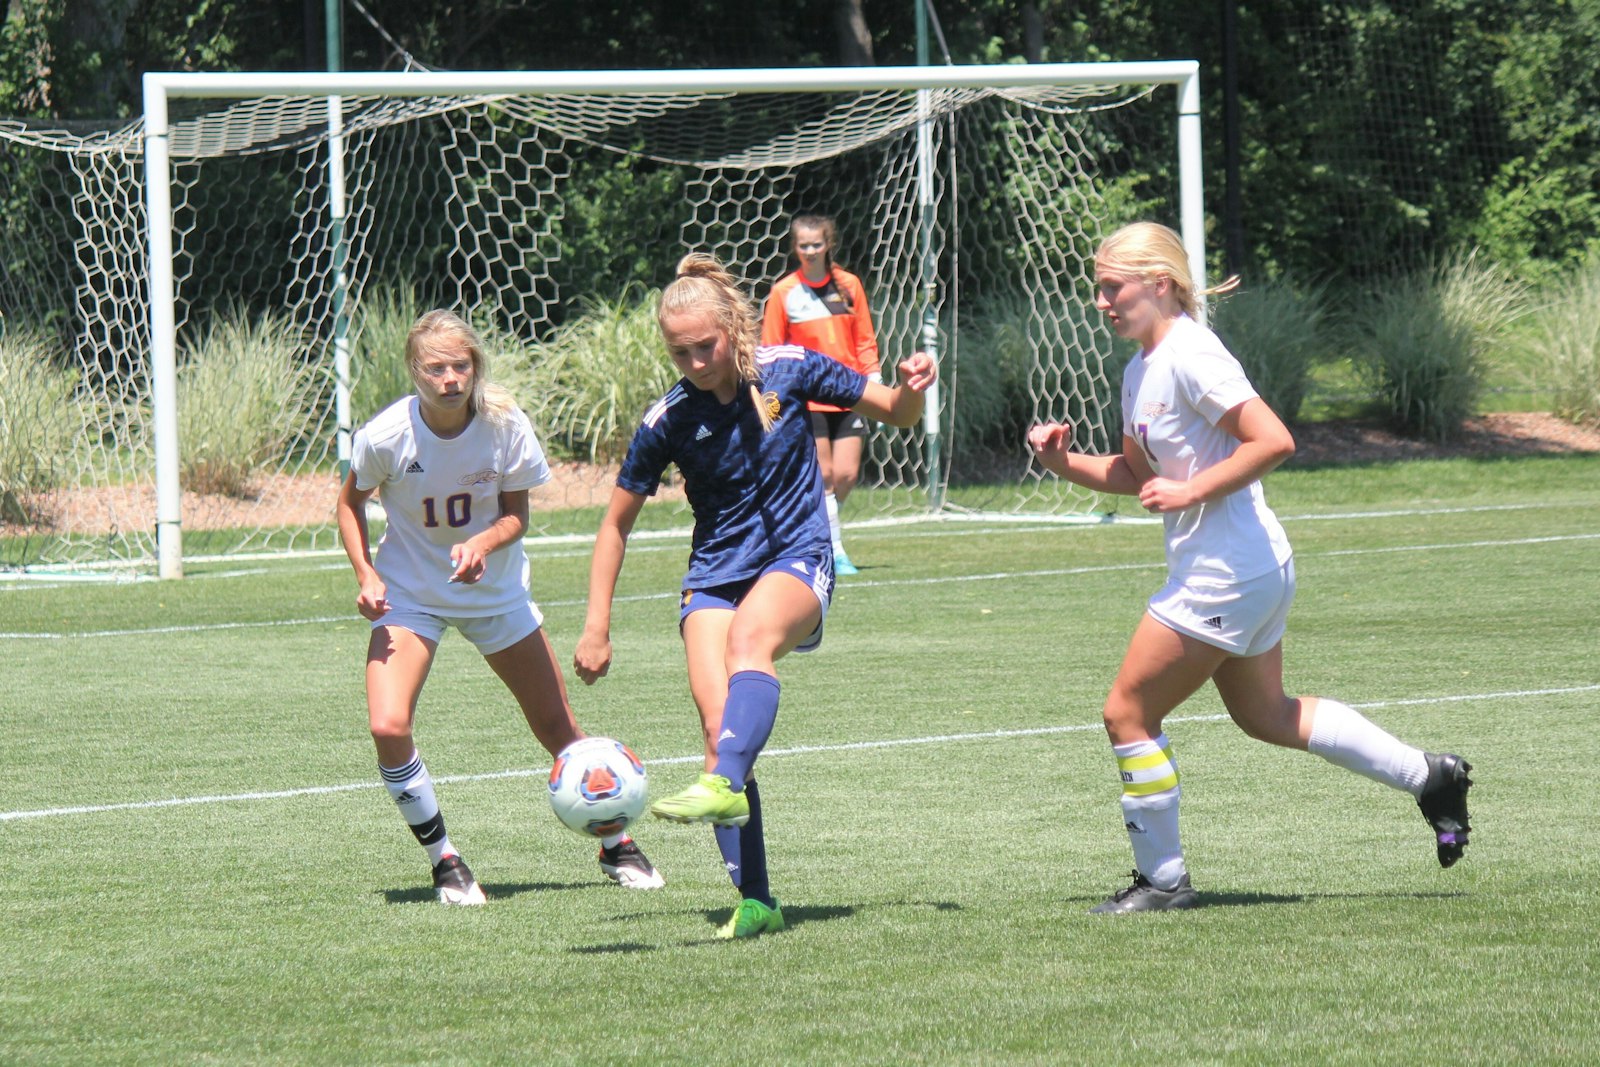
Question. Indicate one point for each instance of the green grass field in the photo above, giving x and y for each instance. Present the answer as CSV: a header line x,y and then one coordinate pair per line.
x,y
198,865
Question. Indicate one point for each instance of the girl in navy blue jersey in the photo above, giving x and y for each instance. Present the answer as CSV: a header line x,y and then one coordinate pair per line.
x,y
761,566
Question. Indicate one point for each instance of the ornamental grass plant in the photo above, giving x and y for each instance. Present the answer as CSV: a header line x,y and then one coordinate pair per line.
x,y
586,388
245,389
1424,341
40,421
1566,346
1279,333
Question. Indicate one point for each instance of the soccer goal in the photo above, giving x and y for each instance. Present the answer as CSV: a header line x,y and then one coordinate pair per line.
x,y
235,274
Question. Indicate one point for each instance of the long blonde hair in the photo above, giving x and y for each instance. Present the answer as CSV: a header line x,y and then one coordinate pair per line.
x,y
704,284
441,332
1149,250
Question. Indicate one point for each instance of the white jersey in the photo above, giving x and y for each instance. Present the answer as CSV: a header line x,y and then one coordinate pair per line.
x,y
1172,397
437,492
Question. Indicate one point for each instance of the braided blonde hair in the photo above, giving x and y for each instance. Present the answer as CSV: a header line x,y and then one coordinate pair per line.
x,y
1149,250
704,284
440,332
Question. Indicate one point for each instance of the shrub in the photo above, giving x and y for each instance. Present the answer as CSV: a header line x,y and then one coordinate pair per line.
x,y
40,420
243,394
1015,367
1278,334
1566,346
988,391
377,355
1422,343
586,389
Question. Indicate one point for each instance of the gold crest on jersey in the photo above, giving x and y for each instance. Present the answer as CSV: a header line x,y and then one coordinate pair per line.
x,y
769,400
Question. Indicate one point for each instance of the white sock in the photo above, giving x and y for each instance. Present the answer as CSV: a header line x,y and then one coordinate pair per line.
x,y
832,503
412,790
1150,809
1343,736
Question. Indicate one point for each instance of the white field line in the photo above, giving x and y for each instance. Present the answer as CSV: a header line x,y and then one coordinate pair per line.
x,y
771,753
1052,572
52,576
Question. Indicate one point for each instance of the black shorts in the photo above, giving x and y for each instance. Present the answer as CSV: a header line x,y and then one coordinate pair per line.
x,y
836,424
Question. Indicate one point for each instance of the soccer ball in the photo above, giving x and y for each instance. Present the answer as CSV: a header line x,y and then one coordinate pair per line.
x,y
597,786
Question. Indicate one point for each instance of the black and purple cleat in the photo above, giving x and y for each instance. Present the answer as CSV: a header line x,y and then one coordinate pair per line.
x,y
1444,804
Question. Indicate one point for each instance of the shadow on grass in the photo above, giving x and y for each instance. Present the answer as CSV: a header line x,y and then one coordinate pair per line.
x,y
1252,900
793,916
492,890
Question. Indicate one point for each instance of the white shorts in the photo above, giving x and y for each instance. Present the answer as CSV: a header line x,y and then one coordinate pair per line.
x,y
1244,618
489,633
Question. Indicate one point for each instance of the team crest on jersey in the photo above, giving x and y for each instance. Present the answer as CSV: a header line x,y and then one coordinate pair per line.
x,y
769,400
483,477
1154,408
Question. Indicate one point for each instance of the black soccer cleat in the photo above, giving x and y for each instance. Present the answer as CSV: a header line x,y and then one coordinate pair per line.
x,y
627,866
453,881
1444,804
1142,896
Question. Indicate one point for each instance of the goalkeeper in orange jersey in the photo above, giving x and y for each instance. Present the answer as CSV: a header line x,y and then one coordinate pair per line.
x,y
823,307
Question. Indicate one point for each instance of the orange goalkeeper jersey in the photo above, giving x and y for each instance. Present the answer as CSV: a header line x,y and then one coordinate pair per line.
x,y
831,318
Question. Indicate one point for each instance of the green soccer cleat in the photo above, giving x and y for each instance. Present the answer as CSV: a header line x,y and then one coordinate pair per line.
x,y
711,800
752,918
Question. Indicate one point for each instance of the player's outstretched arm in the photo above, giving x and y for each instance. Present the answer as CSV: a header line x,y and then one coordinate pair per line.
x,y
592,658
900,405
1049,442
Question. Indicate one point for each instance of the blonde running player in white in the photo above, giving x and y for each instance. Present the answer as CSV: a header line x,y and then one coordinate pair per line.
x,y
453,464
1197,439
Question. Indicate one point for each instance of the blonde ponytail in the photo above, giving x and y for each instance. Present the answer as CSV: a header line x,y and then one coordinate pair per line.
x,y
1149,250
704,284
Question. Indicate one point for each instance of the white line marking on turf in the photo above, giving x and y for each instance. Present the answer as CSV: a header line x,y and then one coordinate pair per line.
x,y
1052,572
793,750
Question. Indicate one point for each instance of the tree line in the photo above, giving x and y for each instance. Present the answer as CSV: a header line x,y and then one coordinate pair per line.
x,y
1343,141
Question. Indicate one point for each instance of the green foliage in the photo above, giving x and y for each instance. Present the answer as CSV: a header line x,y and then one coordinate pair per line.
x,y
1423,342
1278,333
1566,344
40,421
243,392
592,381
1541,213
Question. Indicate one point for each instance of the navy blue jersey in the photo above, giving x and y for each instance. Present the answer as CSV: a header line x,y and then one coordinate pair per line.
x,y
756,495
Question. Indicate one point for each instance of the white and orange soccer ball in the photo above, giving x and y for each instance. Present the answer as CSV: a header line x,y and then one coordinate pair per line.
x,y
597,786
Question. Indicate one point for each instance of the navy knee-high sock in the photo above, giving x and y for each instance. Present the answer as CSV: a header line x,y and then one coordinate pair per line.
x,y
744,851
747,718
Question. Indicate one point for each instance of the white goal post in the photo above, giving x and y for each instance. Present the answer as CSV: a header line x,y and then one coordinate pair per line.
x,y
226,297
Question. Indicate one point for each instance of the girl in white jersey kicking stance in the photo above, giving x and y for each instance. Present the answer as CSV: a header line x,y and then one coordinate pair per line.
x,y
761,565
453,464
1197,439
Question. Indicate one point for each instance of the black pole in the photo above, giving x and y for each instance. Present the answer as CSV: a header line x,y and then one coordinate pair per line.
x,y
1232,208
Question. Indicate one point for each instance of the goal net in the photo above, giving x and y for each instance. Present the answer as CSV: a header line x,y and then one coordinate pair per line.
x,y
200,307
